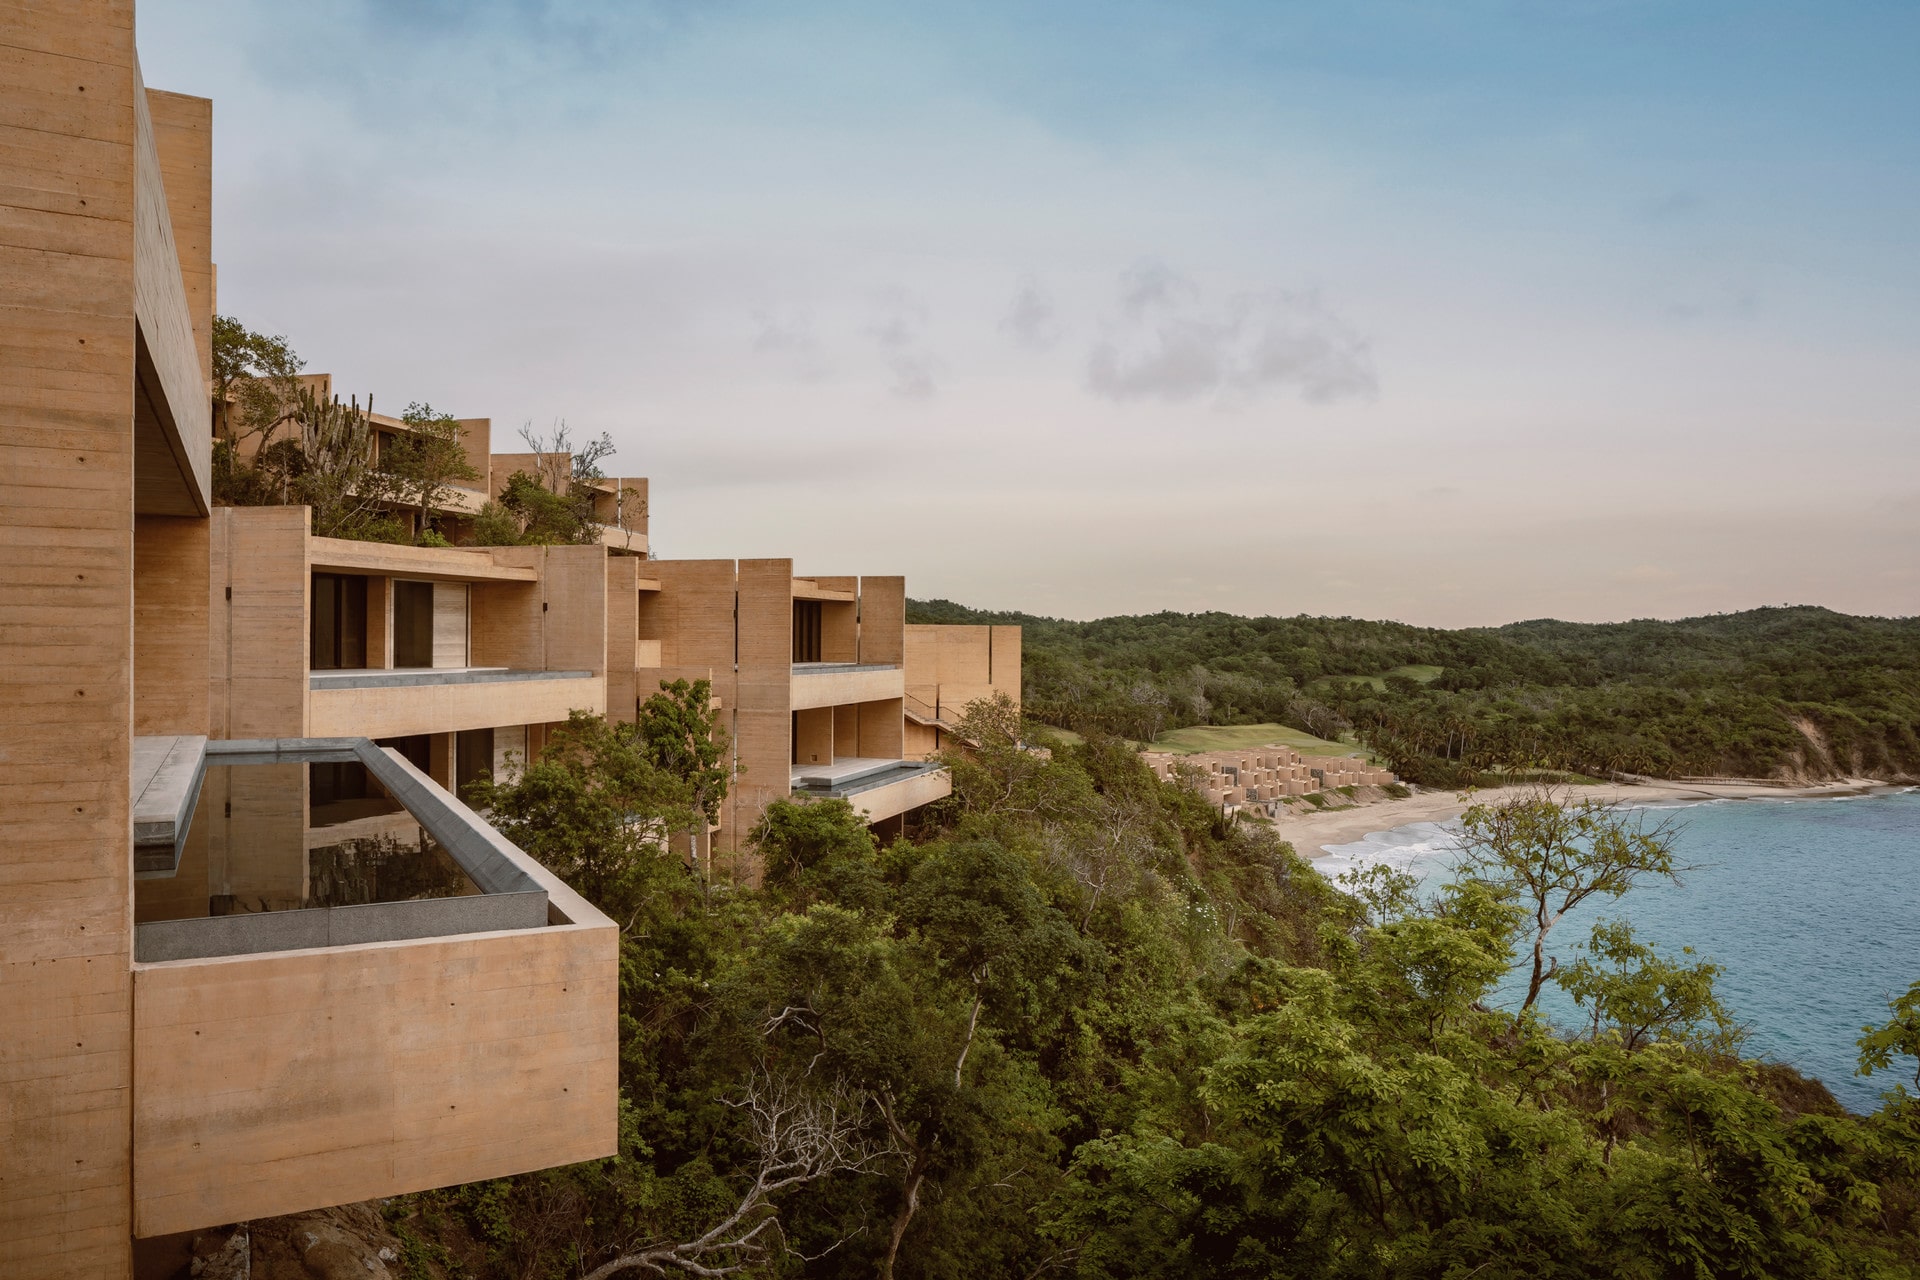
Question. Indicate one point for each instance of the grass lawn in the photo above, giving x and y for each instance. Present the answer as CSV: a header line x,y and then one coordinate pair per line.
x,y
1238,737
1421,672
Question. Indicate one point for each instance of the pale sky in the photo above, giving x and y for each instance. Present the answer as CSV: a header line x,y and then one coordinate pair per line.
x,y
1453,313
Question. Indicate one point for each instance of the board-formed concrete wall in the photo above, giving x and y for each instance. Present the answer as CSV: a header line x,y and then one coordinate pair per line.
x,y
560,626
953,665
882,729
883,619
173,459
67,141
261,600
763,718
172,625
624,683
837,688
268,1084
183,138
947,668
895,798
449,708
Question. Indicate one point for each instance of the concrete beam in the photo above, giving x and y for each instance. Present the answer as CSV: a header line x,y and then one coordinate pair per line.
x,y
165,784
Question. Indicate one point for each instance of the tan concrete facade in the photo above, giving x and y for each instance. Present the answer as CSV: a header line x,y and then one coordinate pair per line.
x,y
77,461
130,608
946,669
147,1097
402,1056
809,671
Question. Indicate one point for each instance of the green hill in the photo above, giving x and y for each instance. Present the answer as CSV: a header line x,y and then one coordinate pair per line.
x,y
1798,691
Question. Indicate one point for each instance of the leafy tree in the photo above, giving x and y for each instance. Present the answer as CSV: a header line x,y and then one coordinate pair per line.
x,y
496,526
279,443
818,848
421,464
1551,857
256,379
595,807
528,513
1899,1037
324,463
556,502
1637,995
996,777
1080,1026
681,735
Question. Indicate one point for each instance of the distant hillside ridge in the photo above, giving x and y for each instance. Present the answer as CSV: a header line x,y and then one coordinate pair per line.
x,y
1793,692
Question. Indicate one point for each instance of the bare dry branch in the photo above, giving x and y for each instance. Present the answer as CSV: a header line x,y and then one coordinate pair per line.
x,y
803,1133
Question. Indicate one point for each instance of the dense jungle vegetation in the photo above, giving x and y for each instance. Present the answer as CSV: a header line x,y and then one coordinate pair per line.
x,y
1783,691
1080,1025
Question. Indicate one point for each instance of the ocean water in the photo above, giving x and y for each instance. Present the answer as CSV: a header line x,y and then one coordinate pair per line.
x,y
1811,907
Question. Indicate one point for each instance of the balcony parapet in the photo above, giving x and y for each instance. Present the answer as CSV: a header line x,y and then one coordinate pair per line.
x,y
834,684
276,1082
391,704
449,564
411,677
878,788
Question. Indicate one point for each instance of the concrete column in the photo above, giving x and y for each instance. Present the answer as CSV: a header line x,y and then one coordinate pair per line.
x,y
380,624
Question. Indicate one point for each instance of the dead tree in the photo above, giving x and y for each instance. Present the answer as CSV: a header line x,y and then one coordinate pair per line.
x,y
803,1134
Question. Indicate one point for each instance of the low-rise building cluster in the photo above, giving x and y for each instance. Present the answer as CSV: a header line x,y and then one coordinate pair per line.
x,y
1264,779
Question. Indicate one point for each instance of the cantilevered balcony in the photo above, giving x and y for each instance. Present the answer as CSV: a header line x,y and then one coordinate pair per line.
x,y
878,788
395,703
834,684
327,1015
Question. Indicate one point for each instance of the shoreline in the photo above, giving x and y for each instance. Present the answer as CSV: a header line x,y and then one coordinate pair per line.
x,y
1310,832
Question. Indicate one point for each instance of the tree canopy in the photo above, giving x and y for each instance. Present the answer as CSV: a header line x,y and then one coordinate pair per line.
x,y
1769,692
1078,1024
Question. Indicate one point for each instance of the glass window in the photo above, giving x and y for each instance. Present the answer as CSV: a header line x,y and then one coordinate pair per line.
x,y
339,622
412,624
472,758
806,631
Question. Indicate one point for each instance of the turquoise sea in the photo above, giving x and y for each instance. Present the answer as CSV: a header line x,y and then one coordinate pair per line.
x,y
1812,907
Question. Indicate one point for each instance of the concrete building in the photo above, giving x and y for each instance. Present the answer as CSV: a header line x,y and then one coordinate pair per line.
x,y
810,675
948,668
1265,779
255,955
189,1033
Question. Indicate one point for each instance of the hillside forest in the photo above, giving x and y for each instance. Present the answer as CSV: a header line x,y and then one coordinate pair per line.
x,y
1792,692
1078,1024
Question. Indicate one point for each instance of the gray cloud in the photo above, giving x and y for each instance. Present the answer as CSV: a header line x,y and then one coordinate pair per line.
x,y
788,339
1168,343
1152,284
775,334
900,334
1031,318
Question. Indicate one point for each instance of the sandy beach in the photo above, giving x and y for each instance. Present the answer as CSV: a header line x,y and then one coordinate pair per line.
x,y
1310,831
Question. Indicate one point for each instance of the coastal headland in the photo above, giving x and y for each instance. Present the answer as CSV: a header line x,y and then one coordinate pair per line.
x,y
1311,831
